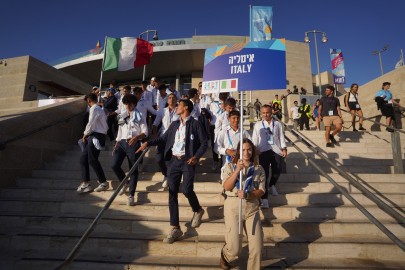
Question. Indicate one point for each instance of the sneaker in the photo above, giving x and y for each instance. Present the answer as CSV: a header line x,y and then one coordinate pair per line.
x,y
273,190
223,263
389,129
214,166
131,201
329,145
362,128
164,182
123,190
174,235
332,139
196,221
102,187
265,204
355,130
84,188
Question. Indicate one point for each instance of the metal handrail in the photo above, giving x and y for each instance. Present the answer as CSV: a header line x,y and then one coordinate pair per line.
x,y
36,130
73,253
375,221
381,204
375,122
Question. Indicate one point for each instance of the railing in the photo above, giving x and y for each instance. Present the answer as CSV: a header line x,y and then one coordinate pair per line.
x,y
381,204
73,253
395,143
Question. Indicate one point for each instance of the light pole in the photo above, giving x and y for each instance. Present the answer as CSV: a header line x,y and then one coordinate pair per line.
x,y
324,40
379,55
155,37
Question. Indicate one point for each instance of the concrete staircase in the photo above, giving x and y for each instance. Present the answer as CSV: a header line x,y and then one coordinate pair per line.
x,y
309,225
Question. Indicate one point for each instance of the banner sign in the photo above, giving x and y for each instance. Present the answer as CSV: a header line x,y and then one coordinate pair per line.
x,y
245,67
338,68
261,18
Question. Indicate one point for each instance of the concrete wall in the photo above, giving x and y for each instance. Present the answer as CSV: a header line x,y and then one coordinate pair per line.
x,y
24,77
367,93
20,157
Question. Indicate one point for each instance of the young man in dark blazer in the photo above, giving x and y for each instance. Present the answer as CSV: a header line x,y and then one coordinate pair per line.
x,y
185,142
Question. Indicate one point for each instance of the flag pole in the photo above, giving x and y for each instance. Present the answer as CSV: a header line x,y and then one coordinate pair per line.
x,y
240,158
102,67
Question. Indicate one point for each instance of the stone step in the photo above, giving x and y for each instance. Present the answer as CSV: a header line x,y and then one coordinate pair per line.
x,y
278,230
289,193
91,262
200,246
213,211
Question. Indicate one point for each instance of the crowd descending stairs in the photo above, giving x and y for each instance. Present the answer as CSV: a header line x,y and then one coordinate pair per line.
x,y
308,226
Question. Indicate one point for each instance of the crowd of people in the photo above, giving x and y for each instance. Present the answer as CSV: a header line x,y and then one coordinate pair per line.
x,y
156,114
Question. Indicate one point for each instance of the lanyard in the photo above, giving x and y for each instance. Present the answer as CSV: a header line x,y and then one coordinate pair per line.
x,y
267,130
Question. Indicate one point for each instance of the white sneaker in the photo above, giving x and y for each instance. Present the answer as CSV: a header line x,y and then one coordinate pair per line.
x,y
174,235
196,221
84,188
102,187
123,190
274,190
131,201
164,182
265,204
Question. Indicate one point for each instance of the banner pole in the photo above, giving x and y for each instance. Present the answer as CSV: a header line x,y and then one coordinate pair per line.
x,y
102,67
240,158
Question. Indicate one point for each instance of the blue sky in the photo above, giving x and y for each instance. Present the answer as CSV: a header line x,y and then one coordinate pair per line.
x,y
49,30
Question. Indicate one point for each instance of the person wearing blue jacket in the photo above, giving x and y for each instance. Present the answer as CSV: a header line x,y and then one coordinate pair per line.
x,y
185,142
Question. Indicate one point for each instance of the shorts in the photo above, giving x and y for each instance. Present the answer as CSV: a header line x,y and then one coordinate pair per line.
x,y
352,106
387,110
331,120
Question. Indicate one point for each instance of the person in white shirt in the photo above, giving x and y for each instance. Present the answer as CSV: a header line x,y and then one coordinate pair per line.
x,y
172,89
153,90
216,108
295,115
162,98
268,137
228,139
144,106
163,120
130,133
222,122
93,141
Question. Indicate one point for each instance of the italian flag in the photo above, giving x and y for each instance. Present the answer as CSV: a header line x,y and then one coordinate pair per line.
x,y
126,53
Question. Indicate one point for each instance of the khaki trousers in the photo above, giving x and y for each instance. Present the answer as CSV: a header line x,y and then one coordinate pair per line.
x,y
252,227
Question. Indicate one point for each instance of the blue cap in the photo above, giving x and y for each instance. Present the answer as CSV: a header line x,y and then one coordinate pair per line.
x,y
111,89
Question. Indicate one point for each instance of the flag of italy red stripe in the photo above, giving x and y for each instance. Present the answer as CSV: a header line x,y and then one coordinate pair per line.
x,y
126,53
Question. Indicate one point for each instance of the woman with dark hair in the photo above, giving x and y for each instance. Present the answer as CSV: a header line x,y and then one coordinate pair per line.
x,y
253,188
352,105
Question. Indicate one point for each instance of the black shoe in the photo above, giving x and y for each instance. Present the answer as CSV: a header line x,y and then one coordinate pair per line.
x,y
362,128
329,145
355,130
332,139
389,129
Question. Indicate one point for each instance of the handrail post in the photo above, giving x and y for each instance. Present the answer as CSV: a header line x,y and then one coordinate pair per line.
x,y
396,152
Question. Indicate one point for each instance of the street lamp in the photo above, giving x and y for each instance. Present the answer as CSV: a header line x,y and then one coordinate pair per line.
x,y
379,55
155,37
324,40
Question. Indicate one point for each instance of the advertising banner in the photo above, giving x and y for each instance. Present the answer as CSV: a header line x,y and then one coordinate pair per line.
x,y
245,67
261,18
338,68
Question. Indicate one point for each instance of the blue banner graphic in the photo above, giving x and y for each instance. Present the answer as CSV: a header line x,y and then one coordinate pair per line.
x,y
261,18
338,68
255,65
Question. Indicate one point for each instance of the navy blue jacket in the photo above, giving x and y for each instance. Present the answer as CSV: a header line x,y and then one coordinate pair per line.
x,y
196,139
